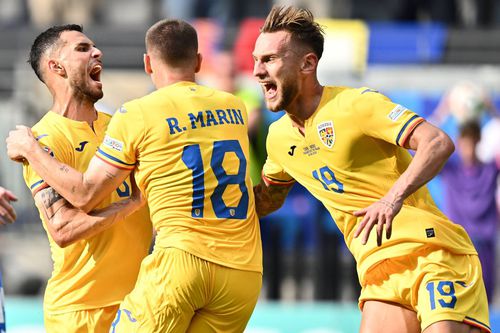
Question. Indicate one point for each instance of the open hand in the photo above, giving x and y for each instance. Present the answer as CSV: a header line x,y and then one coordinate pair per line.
x,y
377,214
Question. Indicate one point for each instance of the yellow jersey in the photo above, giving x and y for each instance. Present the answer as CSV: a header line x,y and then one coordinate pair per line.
x,y
189,146
349,158
101,270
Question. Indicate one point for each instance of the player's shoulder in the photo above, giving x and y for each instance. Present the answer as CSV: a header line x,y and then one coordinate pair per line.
x,y
284,123
50,127
350,94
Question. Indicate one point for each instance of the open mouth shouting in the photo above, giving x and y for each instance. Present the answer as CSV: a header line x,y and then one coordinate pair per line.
x,y
270,90
95,74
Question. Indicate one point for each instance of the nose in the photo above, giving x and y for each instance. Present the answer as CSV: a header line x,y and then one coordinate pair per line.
x,y
258,69
96,53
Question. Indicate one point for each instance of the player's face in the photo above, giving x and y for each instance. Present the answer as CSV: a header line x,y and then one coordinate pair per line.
x,y
83,65
276,67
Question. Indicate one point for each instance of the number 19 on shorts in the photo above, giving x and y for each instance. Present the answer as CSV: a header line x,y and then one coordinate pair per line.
x,y
443,292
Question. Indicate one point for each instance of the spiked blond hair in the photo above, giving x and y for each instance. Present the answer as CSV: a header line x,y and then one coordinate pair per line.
x,y
300,23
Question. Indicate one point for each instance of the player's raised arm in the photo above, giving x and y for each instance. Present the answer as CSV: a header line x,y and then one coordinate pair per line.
x,y
82,190
432,148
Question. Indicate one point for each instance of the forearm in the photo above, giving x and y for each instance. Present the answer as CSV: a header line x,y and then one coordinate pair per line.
x,y
70,224
269,198
428,160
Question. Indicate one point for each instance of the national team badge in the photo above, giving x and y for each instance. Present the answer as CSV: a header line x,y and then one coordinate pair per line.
x,y
326,133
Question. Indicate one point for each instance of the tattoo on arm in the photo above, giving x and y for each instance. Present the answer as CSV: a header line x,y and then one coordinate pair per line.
x,y
269,198
64,168
110,175
50,202
50,197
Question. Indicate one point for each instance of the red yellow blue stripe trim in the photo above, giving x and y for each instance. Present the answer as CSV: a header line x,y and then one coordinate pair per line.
x,y
477,323
270,181
407,129
111,160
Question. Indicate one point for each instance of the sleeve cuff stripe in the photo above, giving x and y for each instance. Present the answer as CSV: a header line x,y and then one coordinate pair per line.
x,y
407,129
270,181
114,159
116,165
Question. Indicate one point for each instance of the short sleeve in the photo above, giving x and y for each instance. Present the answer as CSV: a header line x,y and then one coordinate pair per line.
x,y
378,117
272,172
52,146
123,137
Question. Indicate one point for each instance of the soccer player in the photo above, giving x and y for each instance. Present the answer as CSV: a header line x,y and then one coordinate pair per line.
x,y
189,147
348,147
7,215
97,255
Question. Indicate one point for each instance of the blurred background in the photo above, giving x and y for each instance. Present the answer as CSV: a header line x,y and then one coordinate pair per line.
x,y
440,59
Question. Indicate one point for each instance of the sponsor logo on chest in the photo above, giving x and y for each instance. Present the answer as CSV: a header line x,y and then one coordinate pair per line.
x,y
326,133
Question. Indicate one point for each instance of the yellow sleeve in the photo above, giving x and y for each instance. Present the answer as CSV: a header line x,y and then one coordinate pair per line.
x,y
123,137
55,148
272,172
378,117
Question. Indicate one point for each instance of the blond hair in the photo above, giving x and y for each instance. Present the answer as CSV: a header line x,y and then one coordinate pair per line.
x,y
300,23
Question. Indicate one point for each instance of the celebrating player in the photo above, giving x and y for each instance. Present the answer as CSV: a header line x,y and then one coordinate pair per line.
x,y
96,255
348,148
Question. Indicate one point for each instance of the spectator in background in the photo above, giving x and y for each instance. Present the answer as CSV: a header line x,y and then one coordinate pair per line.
x,y
470,188
7,215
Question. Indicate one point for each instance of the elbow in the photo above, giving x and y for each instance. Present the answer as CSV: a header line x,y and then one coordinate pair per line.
x,y
82,203
62,239
447,145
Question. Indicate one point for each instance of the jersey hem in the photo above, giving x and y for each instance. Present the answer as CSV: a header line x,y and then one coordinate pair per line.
x,y
82,307
252,268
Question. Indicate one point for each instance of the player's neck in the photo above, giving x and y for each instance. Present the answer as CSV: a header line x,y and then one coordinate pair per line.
x,y
78,110
304,105
167,78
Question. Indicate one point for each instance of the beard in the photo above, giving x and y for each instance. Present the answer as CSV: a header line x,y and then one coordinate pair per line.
x,y
289,90
84,91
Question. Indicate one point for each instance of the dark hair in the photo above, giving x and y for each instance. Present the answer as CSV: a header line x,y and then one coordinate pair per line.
x,y
471,129
45,41
174,41
300,23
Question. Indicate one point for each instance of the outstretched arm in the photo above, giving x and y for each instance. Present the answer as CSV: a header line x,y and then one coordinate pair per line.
x,y
82,190
432,148
67,224
269,197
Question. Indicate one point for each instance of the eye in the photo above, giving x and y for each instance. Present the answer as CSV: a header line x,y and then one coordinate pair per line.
x,y
82,48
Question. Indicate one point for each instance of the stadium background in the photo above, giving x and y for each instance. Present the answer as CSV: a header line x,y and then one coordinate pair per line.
x,y
414,51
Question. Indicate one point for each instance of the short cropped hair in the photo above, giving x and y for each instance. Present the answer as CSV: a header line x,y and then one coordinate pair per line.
x,y
300,23
174,41
471,129
45,41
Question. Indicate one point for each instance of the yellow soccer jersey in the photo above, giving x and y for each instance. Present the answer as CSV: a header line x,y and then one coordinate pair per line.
x,y
350,157
101,270
189,145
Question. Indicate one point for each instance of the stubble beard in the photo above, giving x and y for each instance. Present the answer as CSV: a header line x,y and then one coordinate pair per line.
x,y
288,92
84,92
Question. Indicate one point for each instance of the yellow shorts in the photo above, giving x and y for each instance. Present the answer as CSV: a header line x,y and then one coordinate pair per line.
x,y
179,292
96,320
436,284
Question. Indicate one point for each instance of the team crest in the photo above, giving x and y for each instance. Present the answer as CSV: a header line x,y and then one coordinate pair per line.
x,y
326,133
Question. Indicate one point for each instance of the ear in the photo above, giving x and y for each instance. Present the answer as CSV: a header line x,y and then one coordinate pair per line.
x,y
147,64
309,63
199,59
56,67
